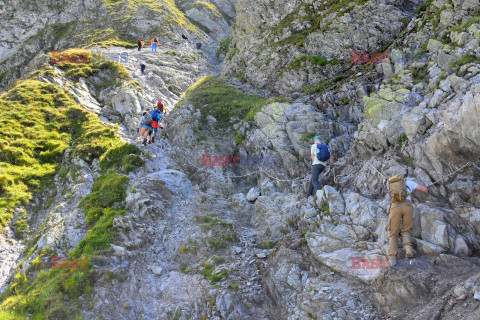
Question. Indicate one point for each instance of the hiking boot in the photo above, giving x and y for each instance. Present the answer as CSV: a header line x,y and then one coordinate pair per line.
x,y
409,251
308,195
144,142
149,141
393,261
153,139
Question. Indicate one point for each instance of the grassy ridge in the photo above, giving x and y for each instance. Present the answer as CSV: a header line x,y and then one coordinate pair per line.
x,y
34,132
213,97
38,122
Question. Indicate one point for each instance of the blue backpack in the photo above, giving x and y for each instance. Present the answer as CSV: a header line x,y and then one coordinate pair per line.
x,y
323,152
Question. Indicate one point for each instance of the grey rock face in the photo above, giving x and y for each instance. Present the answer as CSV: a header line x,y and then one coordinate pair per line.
x,y
253,194
265,48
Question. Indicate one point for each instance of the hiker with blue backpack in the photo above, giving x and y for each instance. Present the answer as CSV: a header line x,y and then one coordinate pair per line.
x,y
320,153
145,127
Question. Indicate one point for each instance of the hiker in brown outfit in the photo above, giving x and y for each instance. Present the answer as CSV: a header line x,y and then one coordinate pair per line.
x,y
401,212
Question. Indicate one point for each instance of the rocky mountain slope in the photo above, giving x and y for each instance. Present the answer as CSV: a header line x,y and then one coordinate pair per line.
x,y
97,226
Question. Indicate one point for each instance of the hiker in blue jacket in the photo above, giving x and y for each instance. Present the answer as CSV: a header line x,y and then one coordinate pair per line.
x,y
157,116
318,149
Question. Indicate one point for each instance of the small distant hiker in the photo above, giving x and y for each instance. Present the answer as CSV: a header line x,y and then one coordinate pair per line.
x,y
145,126
320,153
401,211
198,45
143,67
139,44
154,44
157,115
184,37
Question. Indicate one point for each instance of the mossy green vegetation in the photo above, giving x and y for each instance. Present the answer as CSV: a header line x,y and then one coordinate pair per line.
x,y
224,45
211,7
122,11
107,190
39,122
223,232
211,274
304,61
467,24
46,296
128,43
419,74
423,8
308,136
325,84
465,59
125,156
213,97
209,222
119,30
34,132
314,16
89,64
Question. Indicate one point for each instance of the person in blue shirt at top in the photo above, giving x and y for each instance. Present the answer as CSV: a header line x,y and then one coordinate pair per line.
x,y
157,116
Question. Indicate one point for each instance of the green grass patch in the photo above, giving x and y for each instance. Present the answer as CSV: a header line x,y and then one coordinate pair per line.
x,y
129,44
46,296
221,240
312,60
466,59
211,274
423,7
224,45
213,97
209,222
308,136
124,156
420,74
325,84
107,190
467,24
211,7
121,11
191,249
90,66
33,135
21,224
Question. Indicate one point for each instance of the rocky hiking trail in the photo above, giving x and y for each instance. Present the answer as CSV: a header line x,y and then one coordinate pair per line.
x,y
162,220
170,71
